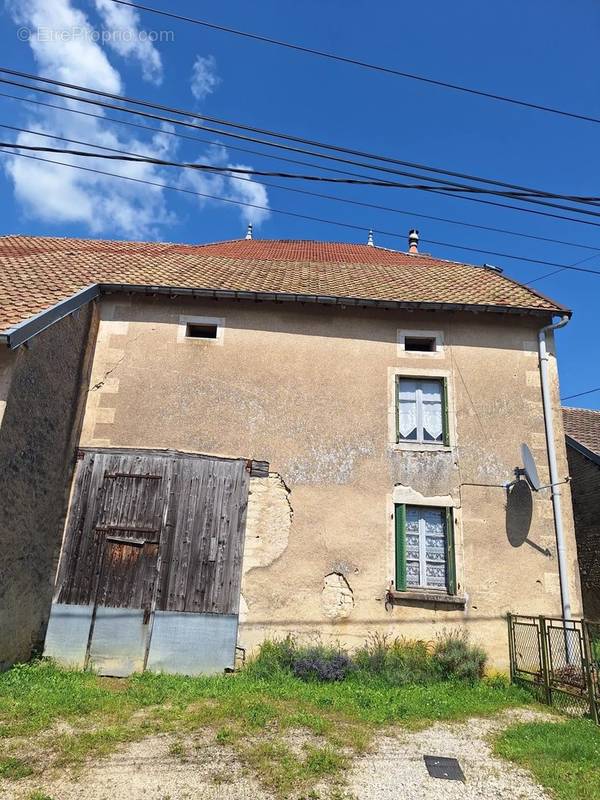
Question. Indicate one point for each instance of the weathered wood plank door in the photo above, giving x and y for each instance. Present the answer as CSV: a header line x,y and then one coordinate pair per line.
x,y
152,559
126,534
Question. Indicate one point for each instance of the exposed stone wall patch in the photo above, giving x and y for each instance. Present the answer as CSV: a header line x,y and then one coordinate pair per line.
x,y
337,598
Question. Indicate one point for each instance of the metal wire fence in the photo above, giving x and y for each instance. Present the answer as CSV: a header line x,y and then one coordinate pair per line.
x,y
559,660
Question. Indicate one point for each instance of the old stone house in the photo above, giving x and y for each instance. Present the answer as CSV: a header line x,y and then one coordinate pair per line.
x,y
260,437
582,429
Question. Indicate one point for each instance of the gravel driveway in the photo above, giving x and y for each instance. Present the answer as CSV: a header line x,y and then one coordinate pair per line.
x,y
199,769
396,768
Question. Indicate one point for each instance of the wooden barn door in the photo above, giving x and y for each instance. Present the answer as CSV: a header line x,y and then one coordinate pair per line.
x,y
129,516
151,563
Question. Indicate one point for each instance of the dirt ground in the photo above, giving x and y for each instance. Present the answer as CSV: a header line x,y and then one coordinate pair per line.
x,y
173,768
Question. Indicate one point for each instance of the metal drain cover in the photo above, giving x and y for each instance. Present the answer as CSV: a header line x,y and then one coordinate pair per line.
x,y
441,767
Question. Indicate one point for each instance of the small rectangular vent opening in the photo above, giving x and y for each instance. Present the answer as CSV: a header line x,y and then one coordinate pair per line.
x,y
420,344
197,330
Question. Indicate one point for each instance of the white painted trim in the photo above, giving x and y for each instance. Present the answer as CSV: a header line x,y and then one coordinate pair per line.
x,y
403,333
186,319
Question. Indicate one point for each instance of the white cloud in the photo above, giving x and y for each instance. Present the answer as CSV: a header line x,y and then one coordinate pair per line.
x,y
123,34
204,77
239,188
244,189
61,39
59,194
104,205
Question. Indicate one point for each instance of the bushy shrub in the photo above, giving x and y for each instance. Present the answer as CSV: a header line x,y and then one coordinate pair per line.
x,y
398,661
274,657
455,658
321,664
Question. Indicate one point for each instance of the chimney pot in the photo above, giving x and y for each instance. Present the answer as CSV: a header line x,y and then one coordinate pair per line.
x,y
413,241
249,232
370,241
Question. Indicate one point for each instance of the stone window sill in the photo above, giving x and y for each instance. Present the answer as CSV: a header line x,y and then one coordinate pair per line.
x,y
420,447
425,597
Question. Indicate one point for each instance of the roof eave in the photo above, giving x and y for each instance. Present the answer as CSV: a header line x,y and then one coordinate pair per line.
x,y
585,451
30,327
23,331
364,302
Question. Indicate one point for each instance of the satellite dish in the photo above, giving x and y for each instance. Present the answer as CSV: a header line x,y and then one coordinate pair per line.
x,y
530,469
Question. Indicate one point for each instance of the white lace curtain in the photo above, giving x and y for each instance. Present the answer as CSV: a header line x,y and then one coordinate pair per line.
x,y
420,413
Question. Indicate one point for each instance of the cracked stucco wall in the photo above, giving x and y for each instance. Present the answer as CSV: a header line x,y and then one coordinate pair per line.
x,y
39,429
310,390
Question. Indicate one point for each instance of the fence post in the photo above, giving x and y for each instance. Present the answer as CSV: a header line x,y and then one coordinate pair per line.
x,y
511,647
544,659
589,671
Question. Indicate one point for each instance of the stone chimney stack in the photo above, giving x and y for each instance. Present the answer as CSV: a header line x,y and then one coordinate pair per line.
x,y
413,241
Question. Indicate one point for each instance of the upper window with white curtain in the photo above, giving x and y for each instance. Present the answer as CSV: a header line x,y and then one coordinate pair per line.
x,y
421,410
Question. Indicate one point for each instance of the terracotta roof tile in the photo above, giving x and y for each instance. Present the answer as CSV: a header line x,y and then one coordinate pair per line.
x,y
583,425
37,272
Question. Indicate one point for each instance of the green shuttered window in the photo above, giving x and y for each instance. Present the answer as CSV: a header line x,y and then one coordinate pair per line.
x,y
425,548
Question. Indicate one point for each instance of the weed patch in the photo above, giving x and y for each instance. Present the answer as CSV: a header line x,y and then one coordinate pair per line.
x,y
14,769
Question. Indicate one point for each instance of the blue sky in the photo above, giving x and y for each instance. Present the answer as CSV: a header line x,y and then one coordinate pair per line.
x,y
543,51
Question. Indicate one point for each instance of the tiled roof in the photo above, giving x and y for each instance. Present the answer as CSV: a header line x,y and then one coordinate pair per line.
x,y
583,425
37,272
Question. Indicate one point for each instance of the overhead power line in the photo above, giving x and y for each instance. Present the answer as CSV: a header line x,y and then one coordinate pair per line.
x,y
336,198
205,129
297,215
580,394
289,148
298,140
243,137
360,63
138,158
562,269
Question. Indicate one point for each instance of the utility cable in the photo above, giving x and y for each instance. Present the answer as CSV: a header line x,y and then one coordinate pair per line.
x,y
359,63
123,156
288,137
298,215
319,195
580,394
219,132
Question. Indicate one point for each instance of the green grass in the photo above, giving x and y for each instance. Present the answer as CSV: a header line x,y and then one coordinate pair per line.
x,y
563,756
250,715
14,768
283,771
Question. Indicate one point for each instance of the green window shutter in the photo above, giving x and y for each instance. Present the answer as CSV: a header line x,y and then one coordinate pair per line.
x,y
400,519
450,557
445,415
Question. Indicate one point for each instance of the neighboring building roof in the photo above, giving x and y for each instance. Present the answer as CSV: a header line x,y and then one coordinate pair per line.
x,y
582,429
38,272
